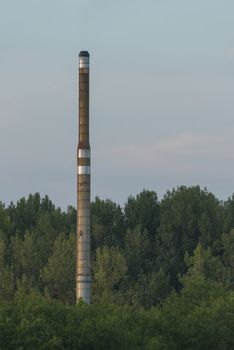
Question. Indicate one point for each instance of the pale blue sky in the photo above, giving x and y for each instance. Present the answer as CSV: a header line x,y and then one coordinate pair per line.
x,y
162,83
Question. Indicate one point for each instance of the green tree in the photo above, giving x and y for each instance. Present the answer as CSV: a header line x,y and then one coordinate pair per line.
x,y
150,289
5,223
107,222
188,215
39,323
204,263
137,251
58,275
228,221
24,214
200,316
26,261
110,274
143,210
228,256
7,287
34,322
104,326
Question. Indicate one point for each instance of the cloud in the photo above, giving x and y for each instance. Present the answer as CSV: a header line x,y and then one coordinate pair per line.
x,y
185,153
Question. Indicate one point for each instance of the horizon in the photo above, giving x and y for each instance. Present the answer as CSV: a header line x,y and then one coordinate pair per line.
x,y
160,198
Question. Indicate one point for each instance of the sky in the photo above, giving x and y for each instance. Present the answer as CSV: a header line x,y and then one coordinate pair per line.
x,y
161,104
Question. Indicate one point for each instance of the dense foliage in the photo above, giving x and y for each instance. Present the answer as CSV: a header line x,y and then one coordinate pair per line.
x,y
163,274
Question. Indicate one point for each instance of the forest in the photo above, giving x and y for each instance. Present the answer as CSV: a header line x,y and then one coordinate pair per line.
x,y
162,274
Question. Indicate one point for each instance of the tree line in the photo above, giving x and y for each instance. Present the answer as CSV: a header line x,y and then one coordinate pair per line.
x,y
162,273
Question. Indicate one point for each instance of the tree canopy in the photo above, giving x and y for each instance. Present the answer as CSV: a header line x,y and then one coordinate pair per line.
x,y
162,272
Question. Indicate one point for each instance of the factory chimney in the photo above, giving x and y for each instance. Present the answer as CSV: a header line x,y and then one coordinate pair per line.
x,y
83,275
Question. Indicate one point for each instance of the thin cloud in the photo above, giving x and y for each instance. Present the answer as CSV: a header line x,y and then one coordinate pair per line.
x,y
187,152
